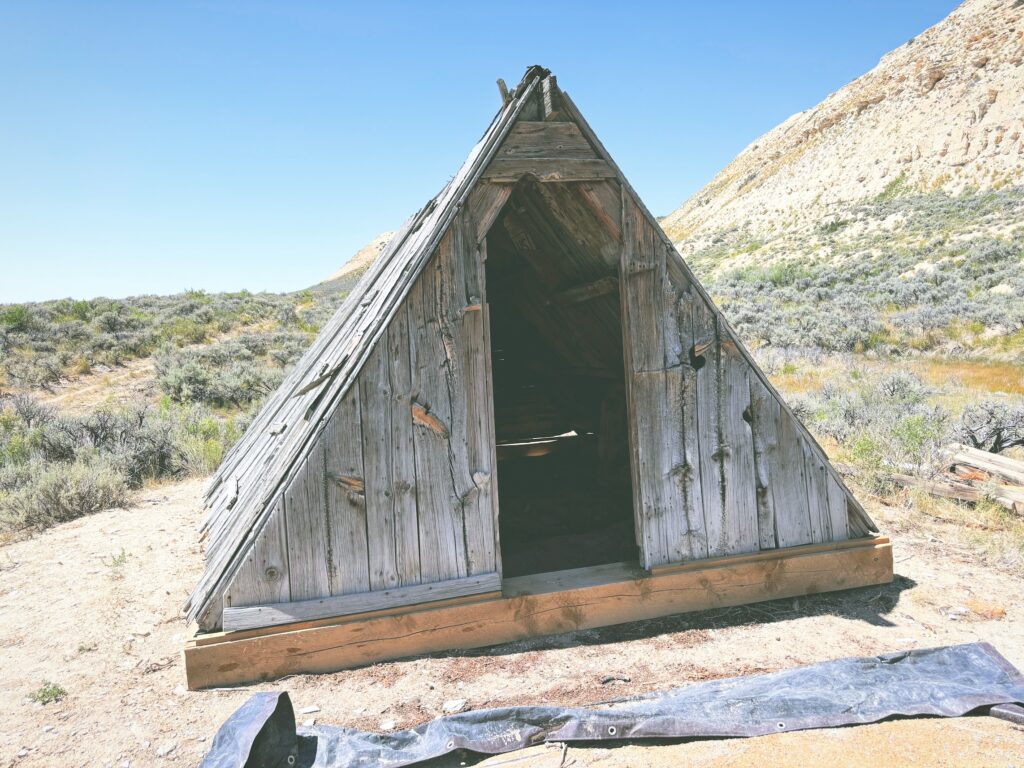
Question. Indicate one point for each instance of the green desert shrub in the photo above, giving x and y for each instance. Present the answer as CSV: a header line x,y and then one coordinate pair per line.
x,y
55,493
54,467
886,426
43,343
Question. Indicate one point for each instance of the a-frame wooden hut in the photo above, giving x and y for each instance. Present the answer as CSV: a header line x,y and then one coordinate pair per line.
x,y
528,417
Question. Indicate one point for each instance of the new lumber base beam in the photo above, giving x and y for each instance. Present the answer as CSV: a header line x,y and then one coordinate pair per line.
x,y
529,606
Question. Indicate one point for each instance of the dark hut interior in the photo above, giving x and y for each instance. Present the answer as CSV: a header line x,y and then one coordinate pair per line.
x,y
565,495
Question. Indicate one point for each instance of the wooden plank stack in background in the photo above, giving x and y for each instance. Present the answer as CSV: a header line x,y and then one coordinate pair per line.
x,y
973,475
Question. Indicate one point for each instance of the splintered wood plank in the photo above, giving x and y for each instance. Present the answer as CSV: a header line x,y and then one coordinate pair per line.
x,y
343,474
838,510
738,453
474,363
584,599
308,528
789,488
253,617
766,454
438,500
263,577
529,139
377,406
705,356
547,169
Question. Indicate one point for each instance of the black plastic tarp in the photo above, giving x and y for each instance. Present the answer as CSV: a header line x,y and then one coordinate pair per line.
x,y
942,682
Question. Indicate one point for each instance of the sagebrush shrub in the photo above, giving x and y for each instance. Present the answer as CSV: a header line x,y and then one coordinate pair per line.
x,y
55,493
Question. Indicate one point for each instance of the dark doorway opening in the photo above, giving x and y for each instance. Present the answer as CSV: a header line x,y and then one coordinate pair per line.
x,y
564,485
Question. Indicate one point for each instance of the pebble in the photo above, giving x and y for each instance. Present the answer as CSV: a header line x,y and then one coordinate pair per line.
x,y
47,728
166,749
309,710
309,722
23,752
387,725
452,706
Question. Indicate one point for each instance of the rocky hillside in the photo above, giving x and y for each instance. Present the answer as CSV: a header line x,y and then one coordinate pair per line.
x,y
353,269
943,112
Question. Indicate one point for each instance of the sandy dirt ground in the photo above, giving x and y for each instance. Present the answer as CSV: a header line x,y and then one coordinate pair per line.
x,y
95,607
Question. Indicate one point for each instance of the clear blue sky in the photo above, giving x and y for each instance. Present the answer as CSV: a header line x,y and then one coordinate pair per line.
x,y
149,147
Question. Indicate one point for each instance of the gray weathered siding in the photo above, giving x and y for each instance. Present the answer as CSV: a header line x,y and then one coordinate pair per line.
x,y
399,488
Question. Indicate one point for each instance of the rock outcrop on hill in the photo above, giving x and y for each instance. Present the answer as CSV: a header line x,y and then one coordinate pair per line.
x,y
943,112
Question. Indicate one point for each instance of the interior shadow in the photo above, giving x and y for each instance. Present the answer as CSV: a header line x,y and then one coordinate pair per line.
x,y
563,479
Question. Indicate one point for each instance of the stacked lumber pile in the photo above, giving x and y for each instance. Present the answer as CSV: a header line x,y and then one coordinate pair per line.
x,y
972,475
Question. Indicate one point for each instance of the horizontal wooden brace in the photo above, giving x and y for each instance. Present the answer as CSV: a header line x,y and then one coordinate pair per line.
x,y
772,554
542,139
541,604
548,169
587,291
256,616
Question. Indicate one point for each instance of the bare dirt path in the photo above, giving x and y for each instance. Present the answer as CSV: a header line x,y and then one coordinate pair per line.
x,y
85,393
94,606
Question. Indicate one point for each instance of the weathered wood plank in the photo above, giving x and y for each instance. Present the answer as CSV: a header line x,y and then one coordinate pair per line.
x,y
484,204
433,350
642,304
548,169
738,469
705,357
551,99
816,478
343,476
529,139
263,577
659,394
407,541
789,488
684,524
603,198
766,454
441,544
839,516
377,406
533,606
270,615
692,489
475,399
308,528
